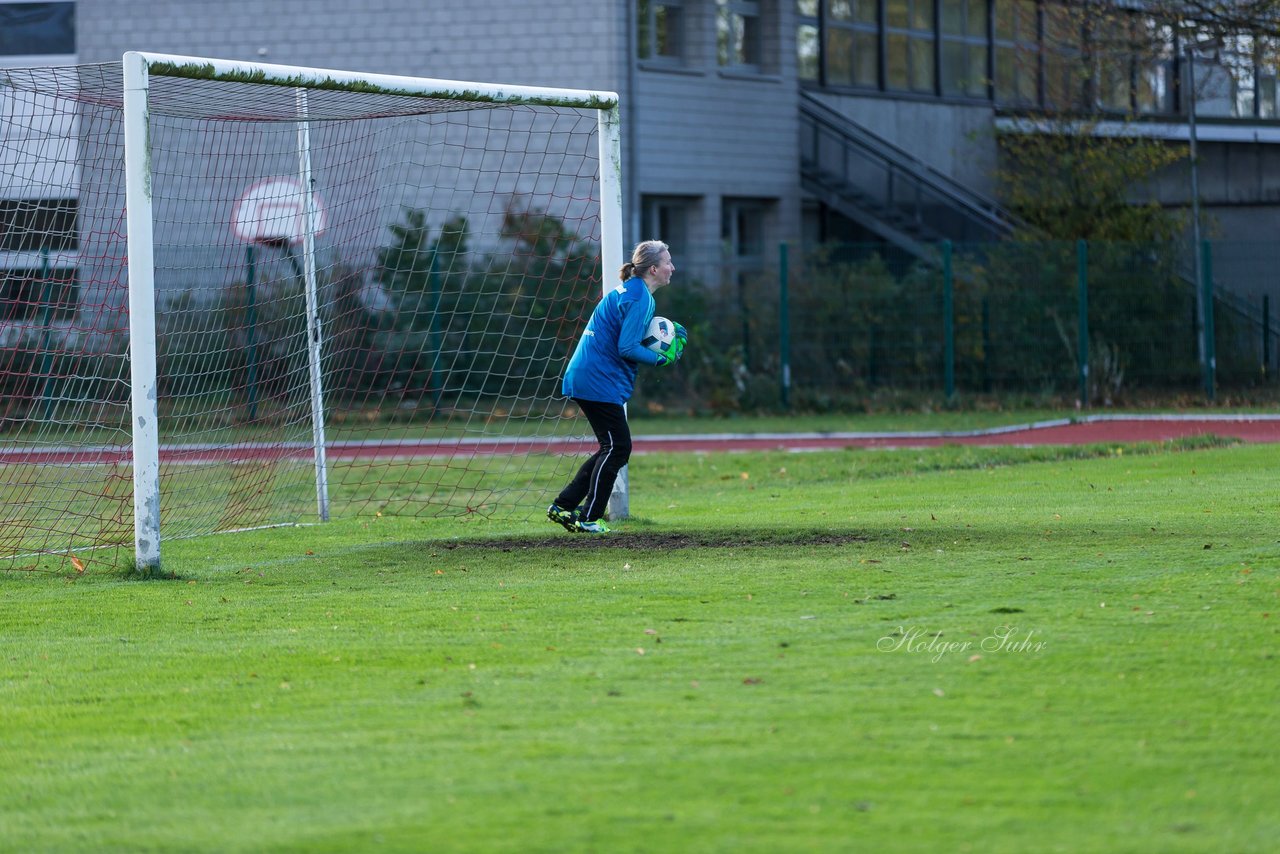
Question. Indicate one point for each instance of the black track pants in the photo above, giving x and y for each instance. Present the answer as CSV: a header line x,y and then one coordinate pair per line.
x,y
593,483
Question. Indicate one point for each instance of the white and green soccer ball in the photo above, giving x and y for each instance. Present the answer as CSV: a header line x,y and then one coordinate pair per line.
x,y
660,334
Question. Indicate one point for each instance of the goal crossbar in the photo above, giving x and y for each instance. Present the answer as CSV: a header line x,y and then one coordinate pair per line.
x,y
233,71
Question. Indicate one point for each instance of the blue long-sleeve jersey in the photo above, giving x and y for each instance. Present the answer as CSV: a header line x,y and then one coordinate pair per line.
x,y
603,367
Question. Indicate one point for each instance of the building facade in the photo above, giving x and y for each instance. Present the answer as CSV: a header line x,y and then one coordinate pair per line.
x,y
718,94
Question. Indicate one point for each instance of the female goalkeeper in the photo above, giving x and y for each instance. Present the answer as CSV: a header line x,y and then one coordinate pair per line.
x,y
601,376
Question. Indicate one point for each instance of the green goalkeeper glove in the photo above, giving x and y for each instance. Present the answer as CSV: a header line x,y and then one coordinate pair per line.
x,y
674,350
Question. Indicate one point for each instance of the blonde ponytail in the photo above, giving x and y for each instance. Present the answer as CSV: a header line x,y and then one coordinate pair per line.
x,y
646,254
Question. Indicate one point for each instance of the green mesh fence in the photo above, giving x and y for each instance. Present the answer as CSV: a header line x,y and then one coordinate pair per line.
x,y
1102,323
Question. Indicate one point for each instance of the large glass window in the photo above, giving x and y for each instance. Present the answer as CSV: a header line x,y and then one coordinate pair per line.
x,y
37,29
738,38
908,50
808,46
1250,63
1064,82
1153,77
852,44
963,24
1129,63
1112,48
1057,55
1017,59
660,35
1268,100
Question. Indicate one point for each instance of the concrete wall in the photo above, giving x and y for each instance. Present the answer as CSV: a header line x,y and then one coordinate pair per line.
x,y
718,137
955,139
570,43
1245,174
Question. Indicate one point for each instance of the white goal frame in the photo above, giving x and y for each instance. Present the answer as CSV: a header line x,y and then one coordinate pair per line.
x,y
138,68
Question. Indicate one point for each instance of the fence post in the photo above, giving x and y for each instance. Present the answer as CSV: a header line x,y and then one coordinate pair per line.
x,y
251,332
1082,327
948,323
435,336
986,345
46,334
784,324
1210,356
1266,336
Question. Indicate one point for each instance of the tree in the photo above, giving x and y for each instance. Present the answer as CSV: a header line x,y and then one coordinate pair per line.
x,y
1068,183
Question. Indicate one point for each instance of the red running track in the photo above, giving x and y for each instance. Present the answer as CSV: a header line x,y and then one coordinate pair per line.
x,y
1093,430
1087,430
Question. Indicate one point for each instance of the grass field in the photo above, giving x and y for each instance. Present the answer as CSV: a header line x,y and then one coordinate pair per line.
x,y
954,649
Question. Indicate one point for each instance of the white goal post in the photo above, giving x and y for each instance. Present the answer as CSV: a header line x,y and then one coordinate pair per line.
x,y
139,68
410,259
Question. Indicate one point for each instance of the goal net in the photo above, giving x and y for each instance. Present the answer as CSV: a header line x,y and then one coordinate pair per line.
x,y
239,295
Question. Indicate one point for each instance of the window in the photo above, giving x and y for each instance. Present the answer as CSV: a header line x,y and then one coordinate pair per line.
x,y
738,36
1266,95
1154,73
44,293
1129,63
964,47
1111,50
1250,62
1017,53
1063,56
742,227
852,44
39,230
742,231
32,225
660,30
808,50
908,50
666,218
37,29
1051,54
38,242
38,257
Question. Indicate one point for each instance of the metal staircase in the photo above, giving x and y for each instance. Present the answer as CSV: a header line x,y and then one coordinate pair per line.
x,y
888,191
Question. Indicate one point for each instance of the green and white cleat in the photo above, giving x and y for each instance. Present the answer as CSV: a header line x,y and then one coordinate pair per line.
x,y
567,519
596,527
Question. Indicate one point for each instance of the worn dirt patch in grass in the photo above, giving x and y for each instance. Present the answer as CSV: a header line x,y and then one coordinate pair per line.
x,y
662,541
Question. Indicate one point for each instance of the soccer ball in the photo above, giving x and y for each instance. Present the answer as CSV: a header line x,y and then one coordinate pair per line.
x,y
660,334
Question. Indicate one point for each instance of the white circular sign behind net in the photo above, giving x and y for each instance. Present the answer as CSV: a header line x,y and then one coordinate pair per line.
x,y
274,211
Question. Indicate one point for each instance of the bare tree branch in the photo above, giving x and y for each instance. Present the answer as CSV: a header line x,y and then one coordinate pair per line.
x,y
1221,17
